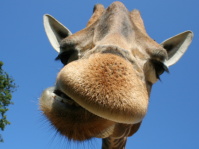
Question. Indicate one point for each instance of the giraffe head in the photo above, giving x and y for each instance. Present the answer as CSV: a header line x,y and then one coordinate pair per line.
x,y
109,69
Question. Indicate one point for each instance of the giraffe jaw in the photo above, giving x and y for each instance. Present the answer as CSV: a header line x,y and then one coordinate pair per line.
x,y
67,101
70,119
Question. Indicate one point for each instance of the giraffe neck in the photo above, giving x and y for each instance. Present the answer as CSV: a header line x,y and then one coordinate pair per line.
x,y
114,143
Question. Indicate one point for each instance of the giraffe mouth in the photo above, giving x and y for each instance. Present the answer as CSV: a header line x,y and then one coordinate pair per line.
x,y
63,98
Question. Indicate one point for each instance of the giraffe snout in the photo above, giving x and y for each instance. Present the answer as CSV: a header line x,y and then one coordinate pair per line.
x,y
107,86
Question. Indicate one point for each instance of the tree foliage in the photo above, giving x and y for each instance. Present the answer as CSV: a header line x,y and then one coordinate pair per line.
x,y
7,86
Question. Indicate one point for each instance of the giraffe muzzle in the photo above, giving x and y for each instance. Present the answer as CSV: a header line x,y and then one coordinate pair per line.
x,y
106,85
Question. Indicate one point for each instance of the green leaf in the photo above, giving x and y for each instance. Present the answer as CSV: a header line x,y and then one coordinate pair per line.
x,y
7,87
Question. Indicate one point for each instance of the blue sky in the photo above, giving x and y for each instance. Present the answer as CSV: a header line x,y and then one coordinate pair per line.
x,y
172,120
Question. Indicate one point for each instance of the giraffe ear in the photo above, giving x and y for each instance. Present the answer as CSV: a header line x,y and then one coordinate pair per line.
x,y
176,46
55,31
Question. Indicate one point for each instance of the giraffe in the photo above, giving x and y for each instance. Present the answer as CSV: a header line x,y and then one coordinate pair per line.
x,y
103,89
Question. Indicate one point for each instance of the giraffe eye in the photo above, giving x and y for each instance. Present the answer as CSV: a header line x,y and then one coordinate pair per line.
x,y
67,56
159,67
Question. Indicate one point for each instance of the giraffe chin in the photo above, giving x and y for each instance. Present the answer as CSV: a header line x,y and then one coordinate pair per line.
x,y
100,83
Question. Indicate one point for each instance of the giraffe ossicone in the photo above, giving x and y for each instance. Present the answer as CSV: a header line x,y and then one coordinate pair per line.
x,y
109,68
